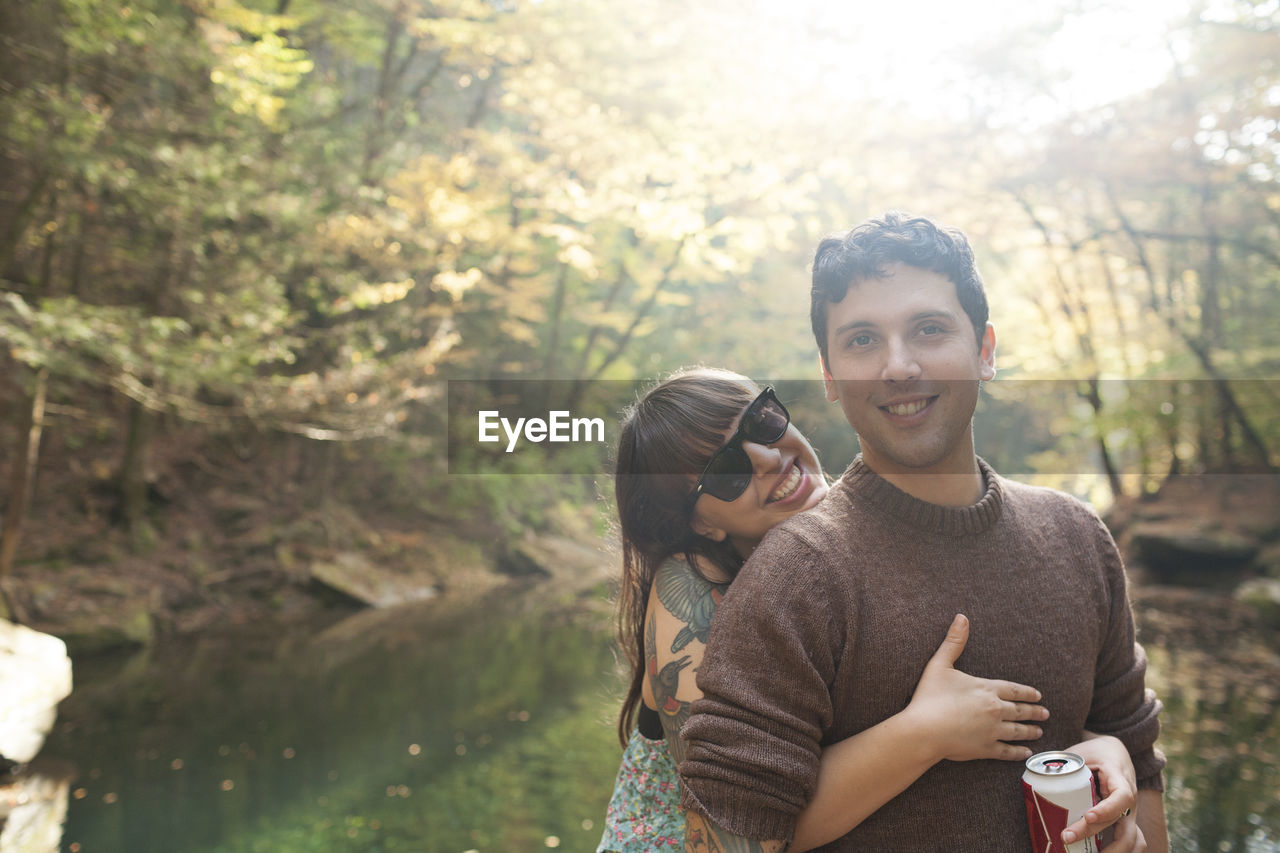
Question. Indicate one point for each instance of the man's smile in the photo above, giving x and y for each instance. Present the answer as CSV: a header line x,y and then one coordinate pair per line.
x,y
907,409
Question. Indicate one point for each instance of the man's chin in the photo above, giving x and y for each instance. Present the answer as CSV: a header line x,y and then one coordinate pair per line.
x,y
918,461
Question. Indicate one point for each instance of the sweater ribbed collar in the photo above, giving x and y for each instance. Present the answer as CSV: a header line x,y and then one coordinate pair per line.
x,y
883,497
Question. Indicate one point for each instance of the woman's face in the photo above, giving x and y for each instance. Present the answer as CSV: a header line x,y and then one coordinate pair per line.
x,y
786,479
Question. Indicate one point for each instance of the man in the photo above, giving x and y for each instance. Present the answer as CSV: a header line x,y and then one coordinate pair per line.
x,y
860,590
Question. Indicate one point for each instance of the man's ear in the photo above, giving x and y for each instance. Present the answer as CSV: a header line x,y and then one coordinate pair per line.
x,y
987,354
702,528
828,381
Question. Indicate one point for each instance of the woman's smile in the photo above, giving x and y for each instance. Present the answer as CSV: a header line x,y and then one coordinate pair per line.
x,y
789,484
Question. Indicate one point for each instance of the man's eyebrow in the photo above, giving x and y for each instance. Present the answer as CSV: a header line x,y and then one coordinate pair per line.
x,y
854,324
931,314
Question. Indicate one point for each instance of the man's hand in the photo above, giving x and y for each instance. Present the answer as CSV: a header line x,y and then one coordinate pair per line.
x,y
1126,837
1109,759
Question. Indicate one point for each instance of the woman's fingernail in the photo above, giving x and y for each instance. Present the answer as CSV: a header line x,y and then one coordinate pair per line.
x,y
1068,837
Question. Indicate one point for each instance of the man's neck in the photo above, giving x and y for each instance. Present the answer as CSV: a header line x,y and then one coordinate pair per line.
x,y
941,489
955,482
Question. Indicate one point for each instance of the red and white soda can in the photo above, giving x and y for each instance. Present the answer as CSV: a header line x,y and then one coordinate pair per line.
x,y
1059,789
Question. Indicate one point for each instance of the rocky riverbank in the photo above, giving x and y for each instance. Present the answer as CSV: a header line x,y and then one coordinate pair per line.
x,y
233,559
1217,533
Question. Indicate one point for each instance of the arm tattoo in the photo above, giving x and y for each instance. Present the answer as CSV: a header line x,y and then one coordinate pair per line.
x,y
703,836
690,599
672,711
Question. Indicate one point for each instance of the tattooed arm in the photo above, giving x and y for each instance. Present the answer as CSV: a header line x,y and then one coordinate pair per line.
x,y
675,639
703,836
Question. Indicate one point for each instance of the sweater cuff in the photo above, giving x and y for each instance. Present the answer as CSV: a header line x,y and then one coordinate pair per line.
x,y
1148,767
759,822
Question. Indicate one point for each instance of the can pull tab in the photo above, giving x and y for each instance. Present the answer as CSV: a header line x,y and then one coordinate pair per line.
x,y
1054,766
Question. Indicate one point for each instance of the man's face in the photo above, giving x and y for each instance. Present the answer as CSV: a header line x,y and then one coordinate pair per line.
x,y
904,365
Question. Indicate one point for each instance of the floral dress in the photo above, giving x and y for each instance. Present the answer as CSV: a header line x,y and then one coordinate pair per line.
x,y
644,812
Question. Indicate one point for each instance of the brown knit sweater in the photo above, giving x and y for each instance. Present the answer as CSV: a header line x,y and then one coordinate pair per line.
x,y
828,628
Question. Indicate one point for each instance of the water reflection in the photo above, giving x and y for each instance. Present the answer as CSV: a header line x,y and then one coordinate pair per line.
x,y
1218,672
431,728
33,806
489,728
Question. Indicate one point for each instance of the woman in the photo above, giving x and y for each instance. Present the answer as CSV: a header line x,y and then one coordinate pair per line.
x,y
684,538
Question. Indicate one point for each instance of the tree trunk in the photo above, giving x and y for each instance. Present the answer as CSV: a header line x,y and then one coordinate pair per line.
x,y
1169,422
580,386
388,77
133,474
21,486
1075,313
1092,394
21,217
549,362
1203,353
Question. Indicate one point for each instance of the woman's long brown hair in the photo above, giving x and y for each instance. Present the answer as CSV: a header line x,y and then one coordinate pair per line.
x,y
667,438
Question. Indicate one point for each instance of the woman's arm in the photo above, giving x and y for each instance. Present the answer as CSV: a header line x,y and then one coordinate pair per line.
x,y
1149,813
675,638
952,715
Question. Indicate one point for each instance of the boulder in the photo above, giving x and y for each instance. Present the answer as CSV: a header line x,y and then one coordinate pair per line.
x,y
107,625
517,562
35,675
353,577
1177,553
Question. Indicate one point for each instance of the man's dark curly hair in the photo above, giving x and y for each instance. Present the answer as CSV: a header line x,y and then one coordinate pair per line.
x,y
870,249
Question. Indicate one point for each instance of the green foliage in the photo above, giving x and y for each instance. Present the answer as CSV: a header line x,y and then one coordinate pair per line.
x,y
302,216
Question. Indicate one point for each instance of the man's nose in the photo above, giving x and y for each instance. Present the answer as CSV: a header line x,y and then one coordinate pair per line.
x,y
900,363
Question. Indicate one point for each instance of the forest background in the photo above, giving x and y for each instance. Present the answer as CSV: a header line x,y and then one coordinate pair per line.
x,y
247,246
255,253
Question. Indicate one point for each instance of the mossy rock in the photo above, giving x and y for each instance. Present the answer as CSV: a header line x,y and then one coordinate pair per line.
x,y
108,627
1263,595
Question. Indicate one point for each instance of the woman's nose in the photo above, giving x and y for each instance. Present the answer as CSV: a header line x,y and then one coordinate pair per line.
x,y
765,458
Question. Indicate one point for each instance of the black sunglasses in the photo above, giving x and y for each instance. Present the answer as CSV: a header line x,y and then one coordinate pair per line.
x,y
729,471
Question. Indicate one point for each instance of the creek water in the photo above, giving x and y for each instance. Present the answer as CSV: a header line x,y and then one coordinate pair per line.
x,y
488,727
